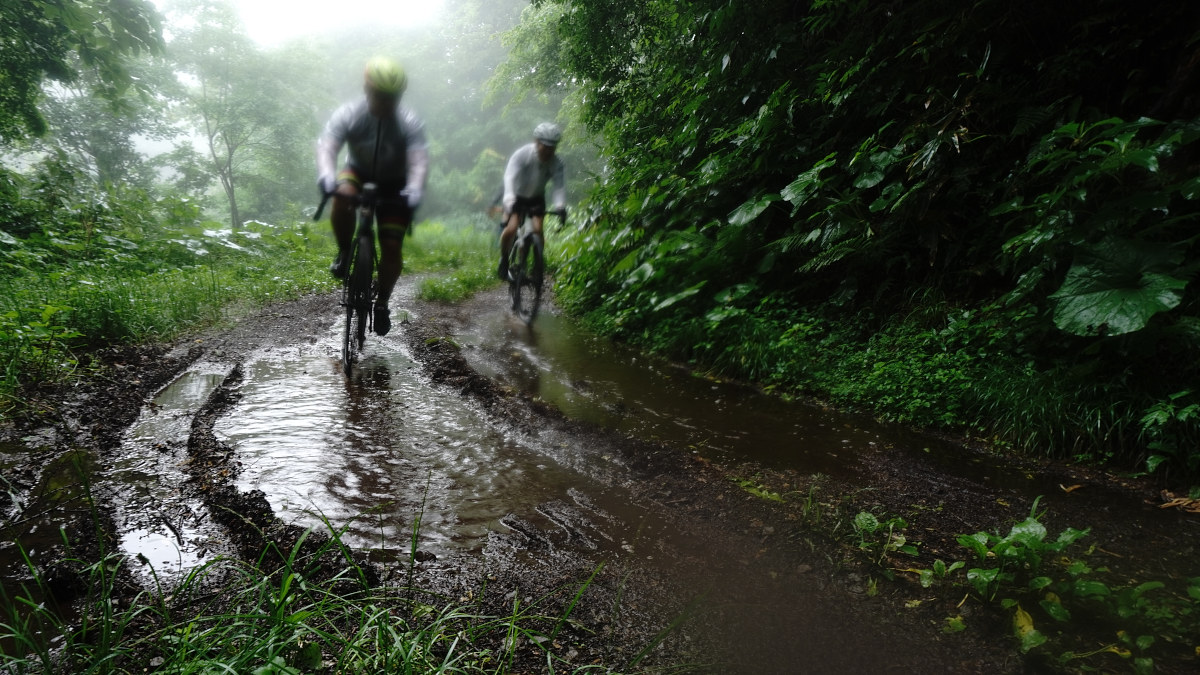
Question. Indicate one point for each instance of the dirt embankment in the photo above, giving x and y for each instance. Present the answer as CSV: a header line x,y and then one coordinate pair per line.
x,y
791,548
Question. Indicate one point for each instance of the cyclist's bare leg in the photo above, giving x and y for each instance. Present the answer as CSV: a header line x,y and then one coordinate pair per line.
x,y
509,233
506,240
341,217
391,261
536,223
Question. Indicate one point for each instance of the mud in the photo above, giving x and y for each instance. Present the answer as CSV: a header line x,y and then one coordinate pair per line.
x,y
767,550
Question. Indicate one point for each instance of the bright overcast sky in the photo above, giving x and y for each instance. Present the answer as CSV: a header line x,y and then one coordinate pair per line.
x,y
269,22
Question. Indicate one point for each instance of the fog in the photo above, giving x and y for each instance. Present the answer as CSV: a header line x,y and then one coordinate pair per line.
x,y
272,22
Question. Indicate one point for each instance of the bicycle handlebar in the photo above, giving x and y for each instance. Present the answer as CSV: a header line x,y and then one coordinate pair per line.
x,y
358,198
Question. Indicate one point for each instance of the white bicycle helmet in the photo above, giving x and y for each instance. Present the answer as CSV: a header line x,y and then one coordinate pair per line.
x,y
548,133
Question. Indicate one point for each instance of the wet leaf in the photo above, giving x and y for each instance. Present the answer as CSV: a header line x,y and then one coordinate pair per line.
x,y
1191,189
687,293
1023,628
1116,286
980,579
1053,606
977,543
954,624
1028,530
1086,588
869,179
866,522
807,183
751,209
1038,583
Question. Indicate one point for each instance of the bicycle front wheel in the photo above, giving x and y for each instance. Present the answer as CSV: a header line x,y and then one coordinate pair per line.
x,y
349,344
526,288
357,302
360,282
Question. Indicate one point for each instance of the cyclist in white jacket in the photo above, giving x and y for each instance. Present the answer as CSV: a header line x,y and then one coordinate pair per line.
x,y
377,121
529,169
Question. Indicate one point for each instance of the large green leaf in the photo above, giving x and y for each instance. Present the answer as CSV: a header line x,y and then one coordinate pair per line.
x,y
1116,286
751,209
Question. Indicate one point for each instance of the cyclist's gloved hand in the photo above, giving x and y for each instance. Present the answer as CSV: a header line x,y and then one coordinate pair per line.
x,y
326,184
414,197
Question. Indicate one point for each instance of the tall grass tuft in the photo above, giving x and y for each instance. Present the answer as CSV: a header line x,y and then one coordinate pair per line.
x,y
313,612
462,253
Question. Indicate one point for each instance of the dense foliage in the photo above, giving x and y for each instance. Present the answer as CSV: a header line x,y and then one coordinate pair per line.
x,y
43,39
976,215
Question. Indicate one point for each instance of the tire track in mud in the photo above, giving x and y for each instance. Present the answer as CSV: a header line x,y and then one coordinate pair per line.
x,y
67,430
254,530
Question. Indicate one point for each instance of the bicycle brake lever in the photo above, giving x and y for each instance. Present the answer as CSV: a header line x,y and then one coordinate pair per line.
x,y
321,206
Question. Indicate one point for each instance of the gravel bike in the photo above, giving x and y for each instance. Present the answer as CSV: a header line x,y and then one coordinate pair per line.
x,y
526,263
359,287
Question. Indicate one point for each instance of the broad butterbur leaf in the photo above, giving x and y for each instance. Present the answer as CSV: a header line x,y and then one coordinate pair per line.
x,y
1116,286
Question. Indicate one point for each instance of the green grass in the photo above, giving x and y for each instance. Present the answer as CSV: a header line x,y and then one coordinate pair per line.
x,y
236,617
459,254
155,291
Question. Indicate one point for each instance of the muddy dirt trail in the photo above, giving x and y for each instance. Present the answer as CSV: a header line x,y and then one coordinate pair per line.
x,y
206,447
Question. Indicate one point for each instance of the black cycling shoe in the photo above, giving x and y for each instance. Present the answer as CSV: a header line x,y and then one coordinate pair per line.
x,y
341,264
503,271
383,320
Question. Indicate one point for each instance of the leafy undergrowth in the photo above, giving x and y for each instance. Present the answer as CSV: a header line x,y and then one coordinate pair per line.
x,y
1058,596
64,289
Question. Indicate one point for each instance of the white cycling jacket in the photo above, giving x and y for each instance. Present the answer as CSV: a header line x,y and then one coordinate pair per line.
x,y
526,176
403,152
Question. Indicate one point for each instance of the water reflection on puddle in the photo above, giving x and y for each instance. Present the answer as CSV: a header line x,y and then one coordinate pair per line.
x,y
594,380
157,526
373,452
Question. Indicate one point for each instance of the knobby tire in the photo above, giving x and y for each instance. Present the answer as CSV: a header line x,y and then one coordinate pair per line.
x,y
358,304
525,286
364,274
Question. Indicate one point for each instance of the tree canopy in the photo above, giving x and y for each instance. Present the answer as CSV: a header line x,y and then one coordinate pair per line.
x,y
44,40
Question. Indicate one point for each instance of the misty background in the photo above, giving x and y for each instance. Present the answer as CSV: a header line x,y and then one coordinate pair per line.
x,y
225,118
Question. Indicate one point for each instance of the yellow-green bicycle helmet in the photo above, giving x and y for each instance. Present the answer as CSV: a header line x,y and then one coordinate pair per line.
x,y
385,76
